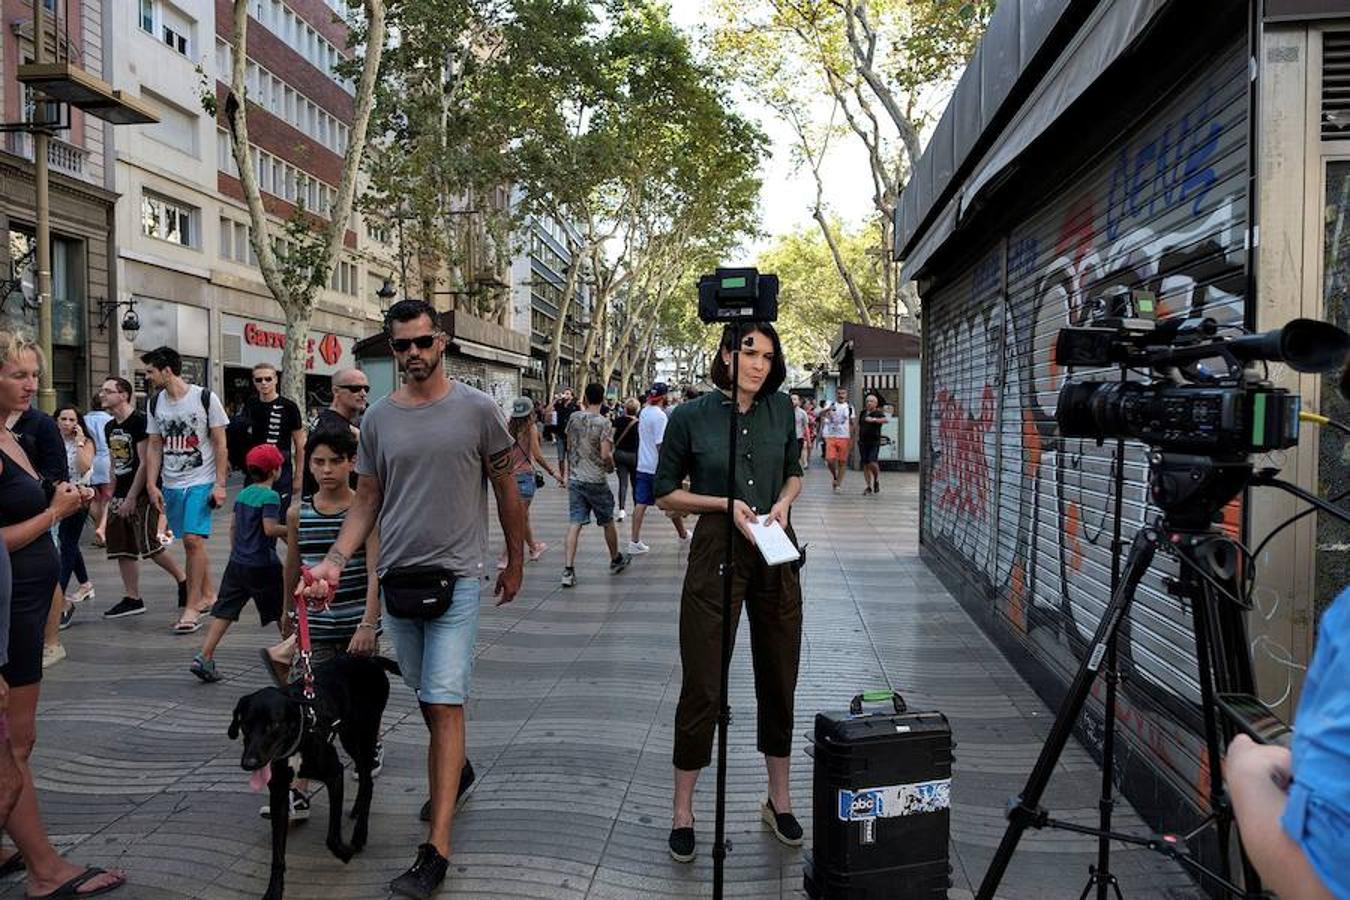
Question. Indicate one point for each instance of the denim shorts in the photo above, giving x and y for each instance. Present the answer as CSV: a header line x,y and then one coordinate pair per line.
x,y
527,486
188,509
585,497
436,655
644,489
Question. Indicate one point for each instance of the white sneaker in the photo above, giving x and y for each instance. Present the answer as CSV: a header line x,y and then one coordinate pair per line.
x,y
299,810
620,515
52,654
637,547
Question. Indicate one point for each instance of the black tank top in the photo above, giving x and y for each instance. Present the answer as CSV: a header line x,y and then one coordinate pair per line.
x,y
24,498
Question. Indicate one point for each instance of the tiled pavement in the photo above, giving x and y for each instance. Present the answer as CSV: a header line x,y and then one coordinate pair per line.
x,y
570,732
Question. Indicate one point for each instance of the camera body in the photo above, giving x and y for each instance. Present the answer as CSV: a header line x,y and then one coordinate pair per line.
x,y
738,295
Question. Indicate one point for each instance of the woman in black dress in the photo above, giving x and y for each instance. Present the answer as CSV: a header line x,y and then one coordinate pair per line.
x,y
30,509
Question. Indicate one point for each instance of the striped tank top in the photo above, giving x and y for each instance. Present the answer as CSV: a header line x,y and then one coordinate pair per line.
x,y
318,531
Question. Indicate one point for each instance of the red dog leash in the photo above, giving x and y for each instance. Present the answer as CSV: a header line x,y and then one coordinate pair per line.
x,y
303,607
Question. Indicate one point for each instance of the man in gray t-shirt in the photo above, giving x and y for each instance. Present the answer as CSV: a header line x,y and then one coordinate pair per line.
x,y
590,458
427,455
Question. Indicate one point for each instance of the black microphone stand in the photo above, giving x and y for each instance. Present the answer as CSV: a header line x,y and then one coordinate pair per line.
x,y
720,845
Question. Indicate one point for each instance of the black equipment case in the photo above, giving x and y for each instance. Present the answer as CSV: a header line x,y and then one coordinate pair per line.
x,y
882,796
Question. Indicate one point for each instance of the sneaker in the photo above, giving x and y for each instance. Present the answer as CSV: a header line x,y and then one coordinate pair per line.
x,y
52,654
619,563
127,606
637,548
620,515
876,488
569,578
538,550
785,826
425,876
182,594
866,491
299,811
205,669
82,593
682,844
466,780
379,763
67,617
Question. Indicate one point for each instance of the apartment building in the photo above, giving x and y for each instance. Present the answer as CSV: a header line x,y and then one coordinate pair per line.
x,y
82,201
538,277
184,251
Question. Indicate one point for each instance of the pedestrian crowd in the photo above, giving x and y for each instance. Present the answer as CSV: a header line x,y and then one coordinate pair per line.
x,y
366,506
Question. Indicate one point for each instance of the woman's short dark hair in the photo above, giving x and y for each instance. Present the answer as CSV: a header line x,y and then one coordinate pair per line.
x,y
721,372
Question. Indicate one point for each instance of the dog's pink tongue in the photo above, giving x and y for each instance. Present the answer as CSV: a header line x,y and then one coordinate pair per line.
x,y
258,780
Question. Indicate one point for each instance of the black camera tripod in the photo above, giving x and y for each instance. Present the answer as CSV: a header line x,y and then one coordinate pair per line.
x,y
1190,490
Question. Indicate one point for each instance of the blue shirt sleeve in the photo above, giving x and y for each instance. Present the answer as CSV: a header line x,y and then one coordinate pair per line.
x,y
1317,816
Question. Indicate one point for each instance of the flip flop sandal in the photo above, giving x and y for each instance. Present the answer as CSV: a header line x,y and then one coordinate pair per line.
x,y
72,887
182,627
13,863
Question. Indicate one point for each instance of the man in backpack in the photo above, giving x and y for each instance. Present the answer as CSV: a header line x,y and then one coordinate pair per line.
x,y
276,420
186,428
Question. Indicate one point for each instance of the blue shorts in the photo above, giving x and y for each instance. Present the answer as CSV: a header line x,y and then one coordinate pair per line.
x,y
436,655
188,509
644,491
585,497
527,486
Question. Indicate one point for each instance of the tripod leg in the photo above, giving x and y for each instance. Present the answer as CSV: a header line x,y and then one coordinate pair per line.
x,y
1025,812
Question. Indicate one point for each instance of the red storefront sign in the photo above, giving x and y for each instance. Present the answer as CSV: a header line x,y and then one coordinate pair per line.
x,y
329,347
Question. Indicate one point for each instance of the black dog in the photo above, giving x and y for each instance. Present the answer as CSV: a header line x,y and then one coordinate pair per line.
x,y
350,695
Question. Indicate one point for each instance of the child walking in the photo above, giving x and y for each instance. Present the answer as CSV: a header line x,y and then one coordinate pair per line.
x,y
351,623
253,572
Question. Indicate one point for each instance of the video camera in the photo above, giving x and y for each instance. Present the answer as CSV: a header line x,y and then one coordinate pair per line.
x,y
738,295
1226,411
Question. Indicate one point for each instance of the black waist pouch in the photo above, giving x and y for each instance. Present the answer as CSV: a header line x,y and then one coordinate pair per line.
x,y
418,592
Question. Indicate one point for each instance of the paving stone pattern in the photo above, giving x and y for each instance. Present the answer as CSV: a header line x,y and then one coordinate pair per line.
x,y
570,731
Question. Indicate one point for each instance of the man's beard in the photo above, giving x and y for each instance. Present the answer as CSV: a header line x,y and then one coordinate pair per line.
x,y
425,371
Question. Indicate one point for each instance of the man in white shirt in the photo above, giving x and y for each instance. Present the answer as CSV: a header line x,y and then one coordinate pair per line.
x,y
186,428
838,424
651,430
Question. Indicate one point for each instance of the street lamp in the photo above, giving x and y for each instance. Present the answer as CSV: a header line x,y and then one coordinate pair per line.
x,y
62,82
386,293
131,322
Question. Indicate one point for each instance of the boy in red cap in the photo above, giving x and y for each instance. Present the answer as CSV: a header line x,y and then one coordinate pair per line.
x,y
254,571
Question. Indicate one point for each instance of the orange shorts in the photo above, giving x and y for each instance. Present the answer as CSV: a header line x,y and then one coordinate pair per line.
x,y
836,449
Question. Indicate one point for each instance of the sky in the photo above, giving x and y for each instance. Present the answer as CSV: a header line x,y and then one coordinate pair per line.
x,y
788,195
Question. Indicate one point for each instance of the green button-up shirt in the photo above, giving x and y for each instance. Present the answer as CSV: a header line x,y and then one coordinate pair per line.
x,y
695,446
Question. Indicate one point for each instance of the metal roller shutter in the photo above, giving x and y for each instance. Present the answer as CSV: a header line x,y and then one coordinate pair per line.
x,y
1162,209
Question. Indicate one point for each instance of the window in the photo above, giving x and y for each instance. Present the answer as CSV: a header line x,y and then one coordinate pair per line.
x,y
226,238
177,127
175,40
167,220
148,16
343,278
169,24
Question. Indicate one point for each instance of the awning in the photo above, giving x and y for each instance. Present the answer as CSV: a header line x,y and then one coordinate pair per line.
x,y
947,180
493,354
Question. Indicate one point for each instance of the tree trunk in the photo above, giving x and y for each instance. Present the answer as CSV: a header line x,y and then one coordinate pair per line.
x,y
858,302
555,345
295,291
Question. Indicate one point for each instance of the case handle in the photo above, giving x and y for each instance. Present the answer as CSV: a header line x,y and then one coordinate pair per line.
x,y
855,706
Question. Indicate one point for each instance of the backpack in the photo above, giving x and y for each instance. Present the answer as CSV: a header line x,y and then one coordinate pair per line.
x,y
238,435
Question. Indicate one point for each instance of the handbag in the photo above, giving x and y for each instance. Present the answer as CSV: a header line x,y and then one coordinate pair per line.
x,y
418,592
538,480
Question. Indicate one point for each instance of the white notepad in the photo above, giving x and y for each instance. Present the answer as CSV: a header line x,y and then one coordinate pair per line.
x,y
773,543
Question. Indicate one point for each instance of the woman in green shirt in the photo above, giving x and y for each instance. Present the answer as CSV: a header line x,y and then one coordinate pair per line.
x,y
768,479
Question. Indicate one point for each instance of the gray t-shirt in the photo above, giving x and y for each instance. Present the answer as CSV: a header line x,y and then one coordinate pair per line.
x,y
585,431
431,462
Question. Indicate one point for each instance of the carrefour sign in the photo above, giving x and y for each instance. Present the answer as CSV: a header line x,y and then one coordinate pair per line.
x,y
263,342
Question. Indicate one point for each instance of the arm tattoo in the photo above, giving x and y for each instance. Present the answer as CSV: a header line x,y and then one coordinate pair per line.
x,y
499,464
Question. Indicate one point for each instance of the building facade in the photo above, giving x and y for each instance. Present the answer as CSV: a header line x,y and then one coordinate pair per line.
x,y
81,191
184,253
538,276
1084,167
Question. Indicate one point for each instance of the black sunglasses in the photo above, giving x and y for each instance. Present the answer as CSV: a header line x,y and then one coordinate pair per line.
x,y
354,388
422,342
262,378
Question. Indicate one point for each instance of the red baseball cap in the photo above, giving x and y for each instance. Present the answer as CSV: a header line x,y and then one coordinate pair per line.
x,y
264,458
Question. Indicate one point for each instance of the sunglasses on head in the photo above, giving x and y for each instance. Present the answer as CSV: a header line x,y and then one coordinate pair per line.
x,y
354,388
422,342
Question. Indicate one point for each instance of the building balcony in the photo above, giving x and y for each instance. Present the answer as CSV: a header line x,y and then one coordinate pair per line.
x,y
62,157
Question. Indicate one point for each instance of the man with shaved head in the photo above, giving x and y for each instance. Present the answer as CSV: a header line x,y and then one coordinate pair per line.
x,y
351,393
